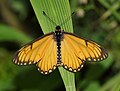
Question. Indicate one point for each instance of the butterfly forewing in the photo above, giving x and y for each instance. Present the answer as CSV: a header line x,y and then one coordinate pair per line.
x,y
85,50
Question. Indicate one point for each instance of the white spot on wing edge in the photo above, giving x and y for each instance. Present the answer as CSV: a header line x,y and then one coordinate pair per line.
x,y
82,66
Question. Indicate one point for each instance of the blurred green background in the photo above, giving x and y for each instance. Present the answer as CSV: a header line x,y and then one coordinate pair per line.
x,y
98,20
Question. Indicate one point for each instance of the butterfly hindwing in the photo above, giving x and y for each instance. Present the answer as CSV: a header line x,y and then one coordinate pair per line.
x,y
38,52
49,62
70,60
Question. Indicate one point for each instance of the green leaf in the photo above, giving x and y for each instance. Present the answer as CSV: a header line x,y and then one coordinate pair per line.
x,y
8,33
58,11
93,86
112,9
112,84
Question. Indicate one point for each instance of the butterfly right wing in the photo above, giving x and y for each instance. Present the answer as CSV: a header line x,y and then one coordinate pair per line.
x,y
76,50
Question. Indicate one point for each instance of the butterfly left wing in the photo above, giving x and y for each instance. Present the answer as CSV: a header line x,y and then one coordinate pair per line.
x,y
76,50
41,52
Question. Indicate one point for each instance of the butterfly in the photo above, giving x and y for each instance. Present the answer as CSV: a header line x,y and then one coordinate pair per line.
x,y
59,48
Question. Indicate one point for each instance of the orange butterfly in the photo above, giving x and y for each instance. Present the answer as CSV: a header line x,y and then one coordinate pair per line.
x,y
59,48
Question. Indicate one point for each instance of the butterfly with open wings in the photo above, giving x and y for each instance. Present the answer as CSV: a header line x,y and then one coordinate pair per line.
x,y
59,48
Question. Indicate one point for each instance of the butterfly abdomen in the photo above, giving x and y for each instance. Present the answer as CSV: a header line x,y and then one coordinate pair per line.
x,y
58,38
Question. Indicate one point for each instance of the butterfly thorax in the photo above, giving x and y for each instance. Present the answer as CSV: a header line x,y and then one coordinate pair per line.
x,y
58,36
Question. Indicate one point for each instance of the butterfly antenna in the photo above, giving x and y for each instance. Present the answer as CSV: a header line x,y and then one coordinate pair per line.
x,y
49,18
67,19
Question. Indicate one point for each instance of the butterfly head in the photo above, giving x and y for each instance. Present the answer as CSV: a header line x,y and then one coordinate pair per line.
x,y
58,28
